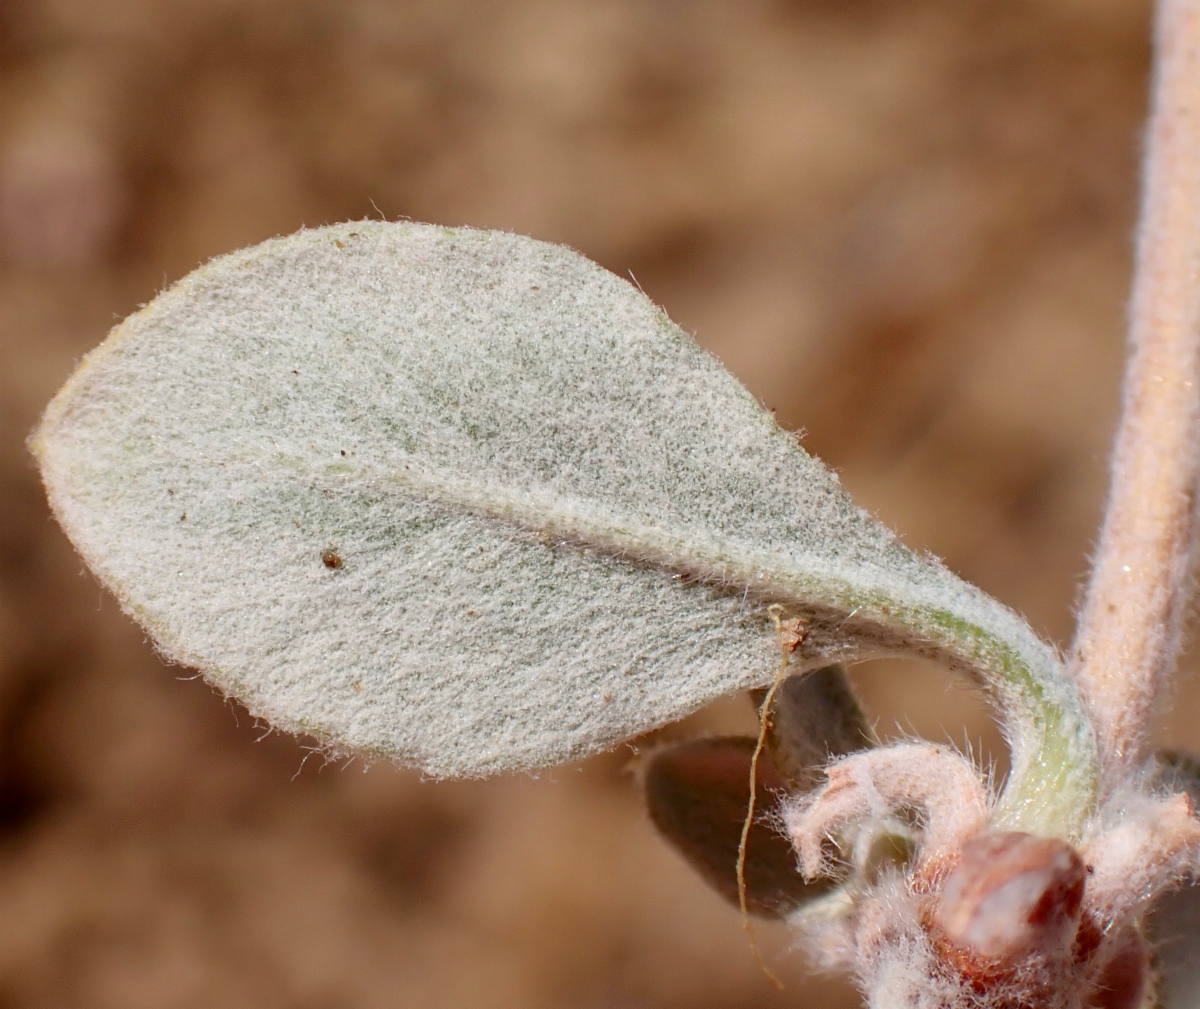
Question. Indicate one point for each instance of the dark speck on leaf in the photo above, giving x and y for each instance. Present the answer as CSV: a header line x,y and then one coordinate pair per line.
x,y
331,559
343,451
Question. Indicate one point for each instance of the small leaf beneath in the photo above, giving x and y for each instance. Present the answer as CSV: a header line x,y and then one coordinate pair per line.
x,y
814,716
697,793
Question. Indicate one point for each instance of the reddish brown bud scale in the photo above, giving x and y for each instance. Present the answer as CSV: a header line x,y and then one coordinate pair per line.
x,y
1011,895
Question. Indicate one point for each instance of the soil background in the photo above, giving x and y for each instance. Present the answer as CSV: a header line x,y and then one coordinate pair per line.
x,y
905,225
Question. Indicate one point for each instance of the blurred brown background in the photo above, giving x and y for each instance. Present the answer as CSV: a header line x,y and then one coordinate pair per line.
x,y
904,224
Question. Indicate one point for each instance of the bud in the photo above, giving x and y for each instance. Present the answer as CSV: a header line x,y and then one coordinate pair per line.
x,y
1012,894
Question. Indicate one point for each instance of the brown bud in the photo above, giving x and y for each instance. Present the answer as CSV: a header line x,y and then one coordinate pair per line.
x,y
1010,895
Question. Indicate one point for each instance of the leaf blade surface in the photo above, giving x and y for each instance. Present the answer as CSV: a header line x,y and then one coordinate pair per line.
x,y
469,501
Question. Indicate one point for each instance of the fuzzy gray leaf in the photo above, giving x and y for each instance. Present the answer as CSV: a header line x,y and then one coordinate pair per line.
x,y
467,500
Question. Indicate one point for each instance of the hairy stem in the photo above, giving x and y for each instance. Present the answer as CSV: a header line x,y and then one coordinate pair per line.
x,y
1130,626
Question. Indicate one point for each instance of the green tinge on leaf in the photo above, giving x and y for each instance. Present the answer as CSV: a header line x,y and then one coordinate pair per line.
x,y
556,521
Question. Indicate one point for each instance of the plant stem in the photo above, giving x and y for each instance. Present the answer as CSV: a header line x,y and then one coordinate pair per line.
x,y
1130,626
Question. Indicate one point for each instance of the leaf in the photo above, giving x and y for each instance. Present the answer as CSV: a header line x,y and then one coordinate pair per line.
x,y
814,718
697,793
469,501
